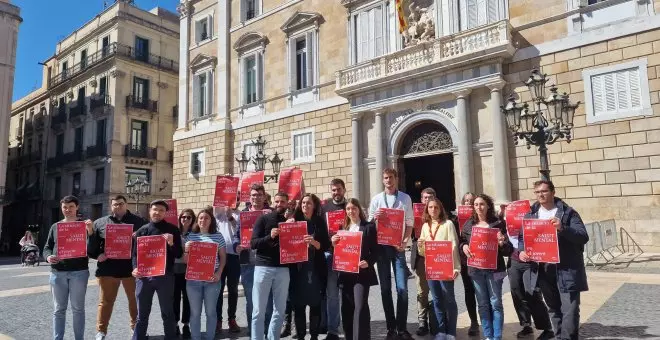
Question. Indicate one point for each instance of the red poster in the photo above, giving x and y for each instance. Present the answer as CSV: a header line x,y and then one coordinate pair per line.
x,y
390,227
247,179
540,238
201,261
226,188
483,246
514,214
346,257
290,182
172,214
151,255
335,220
118,241
292,247
71,240
464,214
248,219
418,212
439,260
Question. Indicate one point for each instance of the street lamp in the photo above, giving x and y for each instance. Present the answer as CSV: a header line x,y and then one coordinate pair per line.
x,y
549,120
259,160
137,189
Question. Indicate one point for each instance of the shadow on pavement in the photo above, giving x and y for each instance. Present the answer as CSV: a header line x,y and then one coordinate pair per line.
x,y
600,331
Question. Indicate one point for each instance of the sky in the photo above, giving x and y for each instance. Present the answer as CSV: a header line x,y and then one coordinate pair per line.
x,y
45,23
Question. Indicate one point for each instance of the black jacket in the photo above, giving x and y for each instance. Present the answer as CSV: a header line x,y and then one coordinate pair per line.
x,y
68,265
268,248
366,276
316,227
502,251
160,228
96,246
571,274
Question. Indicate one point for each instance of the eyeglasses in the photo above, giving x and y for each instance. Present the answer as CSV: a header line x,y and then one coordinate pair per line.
x,y
186,217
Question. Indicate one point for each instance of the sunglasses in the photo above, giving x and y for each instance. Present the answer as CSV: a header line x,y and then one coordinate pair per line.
x,y
186,217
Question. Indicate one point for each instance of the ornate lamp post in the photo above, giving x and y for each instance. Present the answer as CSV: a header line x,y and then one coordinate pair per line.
x,y
259,160
136,190
548,120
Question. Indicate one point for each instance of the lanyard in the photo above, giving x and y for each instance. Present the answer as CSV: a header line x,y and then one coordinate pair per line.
x,y
396,195
431,230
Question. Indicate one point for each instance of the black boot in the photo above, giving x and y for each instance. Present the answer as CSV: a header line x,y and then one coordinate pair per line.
x,y
423,329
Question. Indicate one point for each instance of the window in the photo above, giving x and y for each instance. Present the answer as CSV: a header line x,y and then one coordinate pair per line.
x,y
105,46
251,48
250,151
29,145
132,174
103,86
78,141
83,59
140,90
475,13
250,9
204,29
81,96
617,91
197,162
100,132
607,12
40,143
57,188
75,188
203,94
59,145
301,64
370,27
250,79
99,181
138,135
303,144
65,67
141,49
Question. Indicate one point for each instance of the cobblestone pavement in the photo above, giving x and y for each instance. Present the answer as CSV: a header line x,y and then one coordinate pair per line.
x,y
26,307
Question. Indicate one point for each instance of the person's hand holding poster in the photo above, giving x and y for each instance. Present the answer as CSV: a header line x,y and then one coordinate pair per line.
x,y
202,257
118,241
226,189
418,213
293,248
540,237
248,219
390,226
514,214
151,255
346,257
335,220
439,260
71,240
483,246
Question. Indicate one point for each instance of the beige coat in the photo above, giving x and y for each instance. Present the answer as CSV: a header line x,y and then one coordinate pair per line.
x,y
445,232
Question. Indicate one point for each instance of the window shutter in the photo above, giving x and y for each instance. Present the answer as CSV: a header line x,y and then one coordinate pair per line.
x,y
292,64
363,36
311,59
616,91
260,76
378,24
198,31
209,92
493,11
242,78
209,24
196,89
469,14
598,94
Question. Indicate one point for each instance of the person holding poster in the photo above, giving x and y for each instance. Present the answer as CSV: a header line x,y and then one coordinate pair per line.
x,y
330,304
468,285
187,219
269,273
113,272
487,282
417,264
437,227
227,226
205,292
397,325
308,279
355,313
562,283
145,287
68,277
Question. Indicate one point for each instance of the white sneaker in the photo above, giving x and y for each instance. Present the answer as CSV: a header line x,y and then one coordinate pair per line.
x,y
450,337
440,336
100,336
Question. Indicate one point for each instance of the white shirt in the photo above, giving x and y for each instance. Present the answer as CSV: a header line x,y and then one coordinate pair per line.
x,y
354,227
545,214
400,201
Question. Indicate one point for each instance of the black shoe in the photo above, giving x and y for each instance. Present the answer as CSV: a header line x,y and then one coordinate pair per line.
x,y
474,329
546,335
391,335
422,330
186,332
286,331
323,331
332,337
404,335
525,332
177,331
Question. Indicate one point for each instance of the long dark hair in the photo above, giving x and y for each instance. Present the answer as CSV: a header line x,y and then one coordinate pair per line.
x,y
427,216
213,228
355,202
316,210
490,213
191,213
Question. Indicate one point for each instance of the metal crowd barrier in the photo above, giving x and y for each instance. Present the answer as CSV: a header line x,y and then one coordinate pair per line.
x,y
606,242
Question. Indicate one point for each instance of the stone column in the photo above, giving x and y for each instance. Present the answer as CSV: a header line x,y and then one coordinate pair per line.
x,y
465,163
380,144
501,178
356,155
222,85
184,9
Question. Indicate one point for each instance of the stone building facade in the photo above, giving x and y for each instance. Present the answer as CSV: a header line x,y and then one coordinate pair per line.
x,y
427,102
104,115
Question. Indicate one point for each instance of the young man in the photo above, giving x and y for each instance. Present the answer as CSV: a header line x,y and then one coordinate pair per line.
x,y
560,283
68,278
110,273
269,273
418,265
161,285
330,304
394,257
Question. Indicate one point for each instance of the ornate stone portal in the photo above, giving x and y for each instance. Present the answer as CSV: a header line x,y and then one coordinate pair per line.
x,y
425,138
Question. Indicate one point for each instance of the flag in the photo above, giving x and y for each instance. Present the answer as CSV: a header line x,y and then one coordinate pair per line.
x,y
402,17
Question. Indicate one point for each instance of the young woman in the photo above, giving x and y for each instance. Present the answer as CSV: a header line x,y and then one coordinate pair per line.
x,y
202,292
468,286
488,283
308,279
186,220
355,312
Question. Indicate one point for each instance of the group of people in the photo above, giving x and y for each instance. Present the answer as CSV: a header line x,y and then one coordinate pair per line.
x,y
278,295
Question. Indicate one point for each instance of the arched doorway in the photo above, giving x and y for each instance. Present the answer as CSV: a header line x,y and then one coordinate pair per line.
x,y
428,161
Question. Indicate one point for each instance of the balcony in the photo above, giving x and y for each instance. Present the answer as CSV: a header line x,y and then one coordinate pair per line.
x,y
77,113
33,191
138,151
58,121
109,52
98,104
483,43
64,159
141,103
38,120
96,153
19,132
29,126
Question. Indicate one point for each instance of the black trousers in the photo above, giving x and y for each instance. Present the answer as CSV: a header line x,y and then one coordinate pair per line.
x,y
181,298
470,295
355,314
230,275
527,305
564,308
145,288
300,317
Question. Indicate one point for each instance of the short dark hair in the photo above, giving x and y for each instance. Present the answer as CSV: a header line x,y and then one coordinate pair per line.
x,y
282,194
162,203
549,183
70,199
118,197
429,191
338,182
258,187
391,171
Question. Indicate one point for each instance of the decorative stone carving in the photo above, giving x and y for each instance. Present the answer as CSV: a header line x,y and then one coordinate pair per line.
x,y
421,25
426,137
440,108
301,20
69,94
93,83
162,85
399,117
183,8
117,73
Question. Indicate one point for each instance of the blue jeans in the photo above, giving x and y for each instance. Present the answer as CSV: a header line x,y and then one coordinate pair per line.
x,y
444,306
489,300
330,305
69,286
207,293
265,279
247,280
389,258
